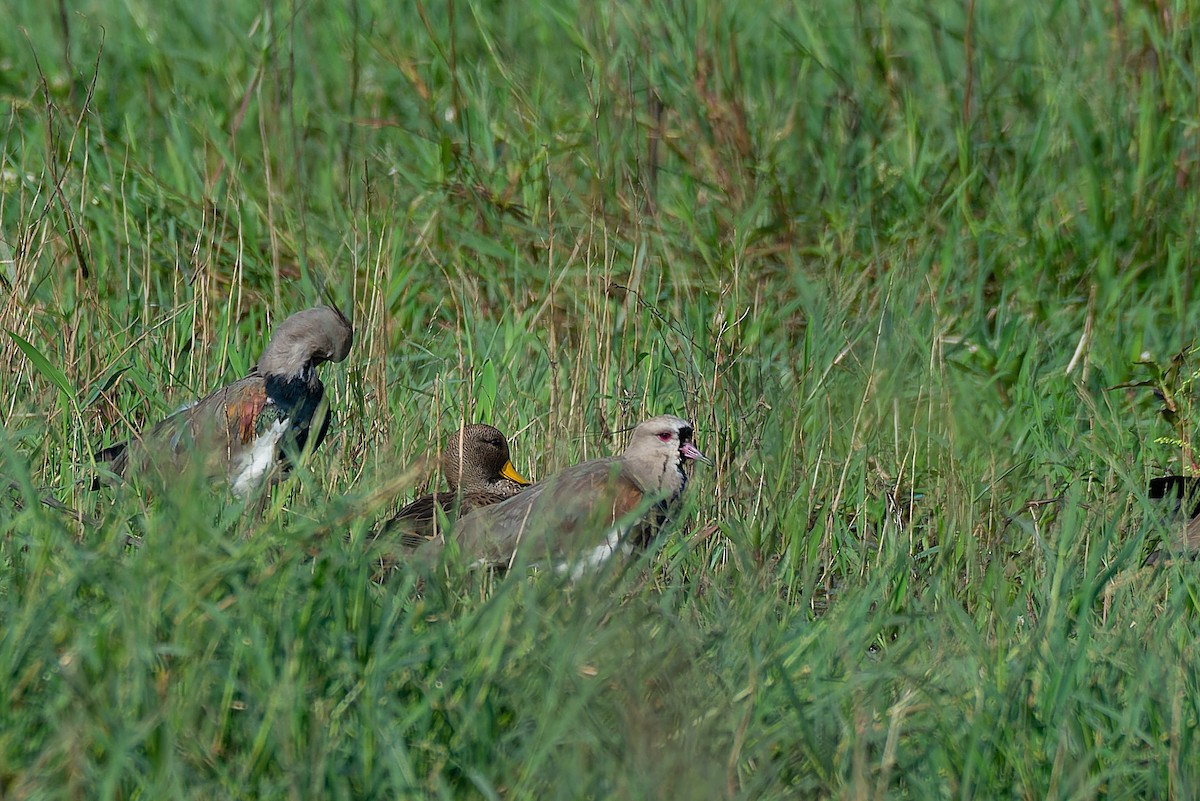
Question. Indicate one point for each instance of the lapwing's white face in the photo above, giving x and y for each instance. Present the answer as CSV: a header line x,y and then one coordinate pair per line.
x,y
665,436
657,453
678,438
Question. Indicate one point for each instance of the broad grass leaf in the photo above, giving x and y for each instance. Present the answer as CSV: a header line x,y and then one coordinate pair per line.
x,y
43,366
485,391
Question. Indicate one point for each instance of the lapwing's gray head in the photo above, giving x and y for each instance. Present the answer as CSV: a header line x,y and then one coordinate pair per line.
x,y
307,338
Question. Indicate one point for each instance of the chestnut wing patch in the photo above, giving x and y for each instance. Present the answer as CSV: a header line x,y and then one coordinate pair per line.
x,y
248,412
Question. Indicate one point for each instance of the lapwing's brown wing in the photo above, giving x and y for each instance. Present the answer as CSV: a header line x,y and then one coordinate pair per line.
x,y
215,430
565,514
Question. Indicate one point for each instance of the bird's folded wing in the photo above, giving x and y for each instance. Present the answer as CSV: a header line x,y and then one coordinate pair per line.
x,y
216,427
552,518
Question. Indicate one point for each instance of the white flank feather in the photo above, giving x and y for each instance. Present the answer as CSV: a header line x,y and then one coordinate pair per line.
x,y
592,559
258,460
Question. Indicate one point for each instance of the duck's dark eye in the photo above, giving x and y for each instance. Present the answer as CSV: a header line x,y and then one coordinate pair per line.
x,y
665,436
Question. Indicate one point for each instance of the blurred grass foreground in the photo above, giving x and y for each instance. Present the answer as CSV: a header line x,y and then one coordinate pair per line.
x,y
922,274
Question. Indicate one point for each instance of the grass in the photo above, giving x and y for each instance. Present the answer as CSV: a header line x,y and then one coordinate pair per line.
x,y
899,263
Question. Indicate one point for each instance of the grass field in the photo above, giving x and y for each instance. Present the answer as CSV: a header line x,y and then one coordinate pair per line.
x,y
898,262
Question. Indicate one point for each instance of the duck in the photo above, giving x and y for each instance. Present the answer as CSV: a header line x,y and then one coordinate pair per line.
x,y
478,468
247,430
584,516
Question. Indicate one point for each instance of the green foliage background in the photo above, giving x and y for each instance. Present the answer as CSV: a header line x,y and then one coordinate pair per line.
x,y
890,258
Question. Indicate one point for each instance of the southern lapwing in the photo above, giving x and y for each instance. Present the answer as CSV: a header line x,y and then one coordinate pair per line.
x,y
245,430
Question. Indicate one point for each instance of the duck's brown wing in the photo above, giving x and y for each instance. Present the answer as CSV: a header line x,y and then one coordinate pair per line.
x,y
417,523
562,515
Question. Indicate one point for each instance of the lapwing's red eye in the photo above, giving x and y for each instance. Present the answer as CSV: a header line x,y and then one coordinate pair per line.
x,y
665,436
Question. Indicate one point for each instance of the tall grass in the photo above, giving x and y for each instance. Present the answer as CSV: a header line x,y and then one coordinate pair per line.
x,y
898,263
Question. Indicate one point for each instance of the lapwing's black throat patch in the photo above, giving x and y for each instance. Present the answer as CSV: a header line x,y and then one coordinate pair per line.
x,y
296,399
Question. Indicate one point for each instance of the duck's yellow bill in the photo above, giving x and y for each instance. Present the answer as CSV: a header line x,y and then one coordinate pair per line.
x,y
510,472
